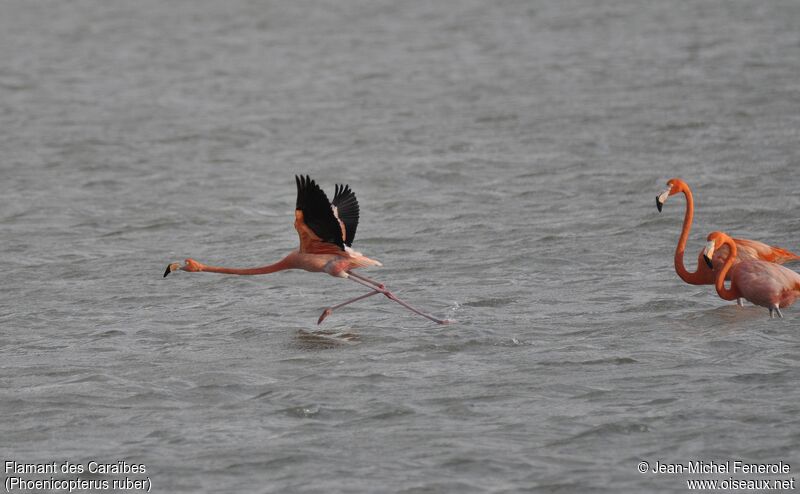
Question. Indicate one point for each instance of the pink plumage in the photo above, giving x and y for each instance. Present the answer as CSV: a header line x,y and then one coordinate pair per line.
x,y
762,283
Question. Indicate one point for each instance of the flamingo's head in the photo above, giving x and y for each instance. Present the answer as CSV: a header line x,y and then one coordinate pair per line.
x,y
189,265
172,267
715,241
674,185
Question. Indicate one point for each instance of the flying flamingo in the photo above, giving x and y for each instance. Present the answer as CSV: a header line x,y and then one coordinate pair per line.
x,y
747,249
326,231
762,283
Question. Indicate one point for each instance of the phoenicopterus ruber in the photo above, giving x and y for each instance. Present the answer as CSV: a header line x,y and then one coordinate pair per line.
x,y
747,249
326,231
762,283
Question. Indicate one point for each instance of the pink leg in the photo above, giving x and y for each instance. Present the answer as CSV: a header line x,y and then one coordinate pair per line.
x,y
392,296
364,278
328,311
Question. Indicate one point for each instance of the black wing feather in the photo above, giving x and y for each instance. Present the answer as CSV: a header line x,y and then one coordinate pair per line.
x,y
347,208
317,212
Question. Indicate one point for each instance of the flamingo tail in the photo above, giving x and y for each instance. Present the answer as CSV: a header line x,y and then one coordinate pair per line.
x,y
364,262
359,260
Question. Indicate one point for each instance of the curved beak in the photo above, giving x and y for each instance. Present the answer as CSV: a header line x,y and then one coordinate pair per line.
x,y
708,253
661,199
172,267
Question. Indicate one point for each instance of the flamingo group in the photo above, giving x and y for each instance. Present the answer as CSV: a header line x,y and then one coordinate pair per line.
x,y
326,230
760,272
763,283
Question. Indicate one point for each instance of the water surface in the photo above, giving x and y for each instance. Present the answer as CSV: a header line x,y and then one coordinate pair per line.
x,y
505,155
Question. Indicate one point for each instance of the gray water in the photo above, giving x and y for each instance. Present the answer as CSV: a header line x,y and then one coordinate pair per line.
x,y
506,156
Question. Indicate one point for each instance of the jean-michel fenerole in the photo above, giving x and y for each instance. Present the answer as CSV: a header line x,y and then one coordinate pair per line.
x,y
735,466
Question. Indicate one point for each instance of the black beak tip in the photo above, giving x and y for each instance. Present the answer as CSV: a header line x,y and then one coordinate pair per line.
x,y
167,272
708,262
659,204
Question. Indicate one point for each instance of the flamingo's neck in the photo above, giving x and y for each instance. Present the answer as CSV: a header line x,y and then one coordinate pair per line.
x,y
691,278
733,292
285,263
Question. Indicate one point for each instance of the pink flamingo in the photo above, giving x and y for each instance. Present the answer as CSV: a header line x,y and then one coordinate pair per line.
x,y
762,283
326,231
705,275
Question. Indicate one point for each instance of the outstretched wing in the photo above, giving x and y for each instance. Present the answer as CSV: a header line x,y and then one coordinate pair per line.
x,y
345,207
319,230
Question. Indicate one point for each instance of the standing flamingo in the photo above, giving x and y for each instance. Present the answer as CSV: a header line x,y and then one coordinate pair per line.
x,y
326,231
747,249
762,283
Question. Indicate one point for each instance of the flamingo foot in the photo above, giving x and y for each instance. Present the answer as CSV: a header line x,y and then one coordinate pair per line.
x,y
325,314
328,311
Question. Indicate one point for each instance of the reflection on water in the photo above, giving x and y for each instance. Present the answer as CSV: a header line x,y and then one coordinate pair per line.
x,y
323,339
